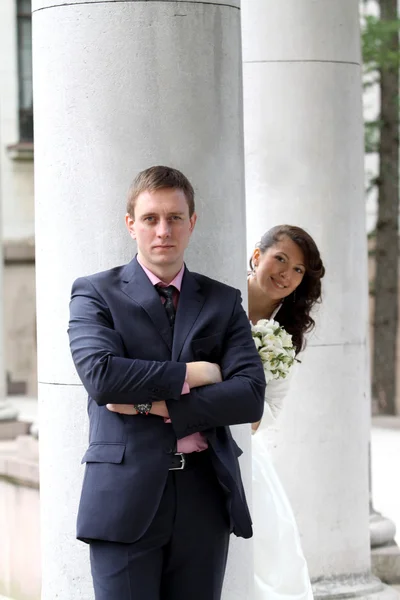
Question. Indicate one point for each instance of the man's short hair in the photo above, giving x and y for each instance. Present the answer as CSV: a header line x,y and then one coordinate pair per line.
x,y
158,178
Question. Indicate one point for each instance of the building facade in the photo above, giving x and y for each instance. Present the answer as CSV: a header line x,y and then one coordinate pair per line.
x,y
17,195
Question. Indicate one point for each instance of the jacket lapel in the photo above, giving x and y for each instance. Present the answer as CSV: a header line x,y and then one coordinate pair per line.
x,y
139,288
190,303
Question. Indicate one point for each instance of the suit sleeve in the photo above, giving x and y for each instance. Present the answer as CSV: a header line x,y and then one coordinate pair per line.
x,y
239,398
98,353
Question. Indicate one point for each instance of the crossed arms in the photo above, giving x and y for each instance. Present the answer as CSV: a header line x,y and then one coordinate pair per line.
x,y
111,378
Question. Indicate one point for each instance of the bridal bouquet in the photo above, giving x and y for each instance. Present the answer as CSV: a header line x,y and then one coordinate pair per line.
x,y
275,348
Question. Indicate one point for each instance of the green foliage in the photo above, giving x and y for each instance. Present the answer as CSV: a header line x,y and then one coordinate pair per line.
x,y
371,132
379,55
377,45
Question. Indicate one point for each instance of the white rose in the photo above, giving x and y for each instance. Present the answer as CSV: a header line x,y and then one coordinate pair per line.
x,y
257,342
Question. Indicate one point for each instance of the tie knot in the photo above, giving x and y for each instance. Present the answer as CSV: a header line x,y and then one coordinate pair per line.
x,y
166,292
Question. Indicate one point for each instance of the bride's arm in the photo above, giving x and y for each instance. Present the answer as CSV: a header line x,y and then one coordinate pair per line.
x,y
275,393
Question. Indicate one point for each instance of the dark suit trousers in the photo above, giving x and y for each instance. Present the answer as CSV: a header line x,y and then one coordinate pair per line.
x,y
182,555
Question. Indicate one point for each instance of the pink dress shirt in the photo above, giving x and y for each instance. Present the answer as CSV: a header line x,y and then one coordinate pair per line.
x,y
195,442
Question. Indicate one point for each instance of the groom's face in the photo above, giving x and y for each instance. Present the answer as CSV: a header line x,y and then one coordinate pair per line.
x,y
162,228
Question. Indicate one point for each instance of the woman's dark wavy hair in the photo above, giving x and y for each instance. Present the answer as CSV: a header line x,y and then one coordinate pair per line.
x,y
294,314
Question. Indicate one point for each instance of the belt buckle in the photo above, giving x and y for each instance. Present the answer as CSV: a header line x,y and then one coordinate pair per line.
x,y
183,462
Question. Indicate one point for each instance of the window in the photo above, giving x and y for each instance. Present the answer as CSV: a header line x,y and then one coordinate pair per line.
x,y
24,24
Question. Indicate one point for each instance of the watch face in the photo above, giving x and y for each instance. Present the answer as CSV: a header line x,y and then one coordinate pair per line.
x,y
144,407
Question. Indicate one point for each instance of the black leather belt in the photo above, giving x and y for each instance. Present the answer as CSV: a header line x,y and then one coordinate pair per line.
x,y
180,461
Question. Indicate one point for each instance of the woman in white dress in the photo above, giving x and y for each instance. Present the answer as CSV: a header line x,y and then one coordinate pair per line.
x,y
284,284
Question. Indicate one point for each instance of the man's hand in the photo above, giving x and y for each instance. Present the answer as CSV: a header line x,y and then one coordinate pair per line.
x,y
158,408
202,373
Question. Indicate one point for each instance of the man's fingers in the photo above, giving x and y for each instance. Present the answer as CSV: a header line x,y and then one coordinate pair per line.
x,y
122,409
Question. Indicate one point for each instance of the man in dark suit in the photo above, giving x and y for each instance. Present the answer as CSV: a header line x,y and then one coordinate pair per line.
x,y
168,361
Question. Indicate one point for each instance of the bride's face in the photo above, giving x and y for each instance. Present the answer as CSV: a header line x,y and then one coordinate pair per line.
x,y
280,269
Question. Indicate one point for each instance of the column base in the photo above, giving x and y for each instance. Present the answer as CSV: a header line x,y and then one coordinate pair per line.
x,y
385,563
362,586
382,530
385,553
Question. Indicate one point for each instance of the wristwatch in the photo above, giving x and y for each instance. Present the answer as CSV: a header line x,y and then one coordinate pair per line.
x,y
143,408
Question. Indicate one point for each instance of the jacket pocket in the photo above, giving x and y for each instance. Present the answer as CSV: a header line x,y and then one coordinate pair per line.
x,y
207,348
104,453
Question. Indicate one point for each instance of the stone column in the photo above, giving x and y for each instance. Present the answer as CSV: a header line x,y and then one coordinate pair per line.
x,y
120,86
304,166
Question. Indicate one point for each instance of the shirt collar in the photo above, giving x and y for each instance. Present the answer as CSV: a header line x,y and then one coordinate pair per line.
x,y
176,282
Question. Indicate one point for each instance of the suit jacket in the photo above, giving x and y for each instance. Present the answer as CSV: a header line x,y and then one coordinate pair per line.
x,y
124,352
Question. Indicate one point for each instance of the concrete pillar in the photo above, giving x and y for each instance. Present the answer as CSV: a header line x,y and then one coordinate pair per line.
x,y
304,166
120,86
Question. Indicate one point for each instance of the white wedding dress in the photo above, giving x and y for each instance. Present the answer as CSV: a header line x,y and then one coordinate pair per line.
x,y
280,568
